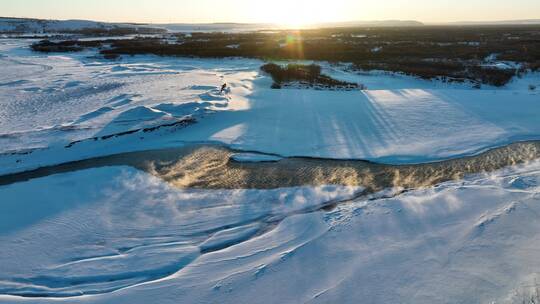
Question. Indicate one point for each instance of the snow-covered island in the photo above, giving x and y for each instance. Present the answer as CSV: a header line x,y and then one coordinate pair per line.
x,y
151,176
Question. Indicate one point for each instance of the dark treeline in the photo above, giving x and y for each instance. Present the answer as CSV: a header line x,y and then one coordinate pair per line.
x,y
450,53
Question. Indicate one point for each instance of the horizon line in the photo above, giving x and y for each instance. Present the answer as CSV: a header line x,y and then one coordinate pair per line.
x,y
277,23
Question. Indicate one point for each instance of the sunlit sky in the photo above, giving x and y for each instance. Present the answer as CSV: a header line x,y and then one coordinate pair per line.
x,y
291,12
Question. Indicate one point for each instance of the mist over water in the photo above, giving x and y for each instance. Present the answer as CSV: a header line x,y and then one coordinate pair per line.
x,y
211,167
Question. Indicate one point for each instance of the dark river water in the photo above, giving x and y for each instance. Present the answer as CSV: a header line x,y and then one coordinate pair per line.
x,y
211,167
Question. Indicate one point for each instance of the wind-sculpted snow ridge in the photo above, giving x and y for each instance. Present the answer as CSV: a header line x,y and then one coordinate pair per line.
x,y
122,228
53,100
473,241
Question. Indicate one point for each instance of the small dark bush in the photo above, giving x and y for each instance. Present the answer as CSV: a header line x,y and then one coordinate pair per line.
x,y
293,72
66,46
46,46
304,74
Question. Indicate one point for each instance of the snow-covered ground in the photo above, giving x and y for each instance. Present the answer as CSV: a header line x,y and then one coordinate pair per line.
x,y
123,227
49,101
127,237
118,235
52,100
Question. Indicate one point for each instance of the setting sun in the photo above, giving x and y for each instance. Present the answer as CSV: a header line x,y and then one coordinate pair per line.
x,y
299,14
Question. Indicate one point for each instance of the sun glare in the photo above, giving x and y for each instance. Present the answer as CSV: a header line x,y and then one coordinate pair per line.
x,y
295,18
299,14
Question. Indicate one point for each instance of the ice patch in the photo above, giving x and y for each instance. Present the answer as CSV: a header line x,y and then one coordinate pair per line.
x,y
254,158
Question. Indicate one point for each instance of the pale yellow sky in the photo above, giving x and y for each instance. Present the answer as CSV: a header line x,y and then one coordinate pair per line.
x,y
274,11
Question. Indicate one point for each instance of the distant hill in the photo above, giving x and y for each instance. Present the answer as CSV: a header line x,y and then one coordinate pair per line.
x,y
242,27
502,22
374,23
25,25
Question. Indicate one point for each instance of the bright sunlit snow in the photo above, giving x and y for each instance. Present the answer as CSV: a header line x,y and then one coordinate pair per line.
x,y
55,100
